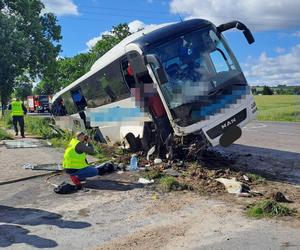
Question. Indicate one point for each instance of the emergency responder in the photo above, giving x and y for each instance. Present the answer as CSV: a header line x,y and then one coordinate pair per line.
x,y
18,110
75,161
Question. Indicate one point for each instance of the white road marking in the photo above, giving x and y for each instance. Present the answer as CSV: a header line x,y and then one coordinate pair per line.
x,y
282,133
259,125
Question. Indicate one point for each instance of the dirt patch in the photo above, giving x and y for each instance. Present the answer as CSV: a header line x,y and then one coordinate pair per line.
x,y
170,203
150,238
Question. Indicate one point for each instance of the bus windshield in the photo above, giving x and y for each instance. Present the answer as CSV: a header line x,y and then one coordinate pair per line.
x,y
199,65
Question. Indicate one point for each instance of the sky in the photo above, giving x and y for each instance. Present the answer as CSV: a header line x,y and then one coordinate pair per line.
x,y
273,59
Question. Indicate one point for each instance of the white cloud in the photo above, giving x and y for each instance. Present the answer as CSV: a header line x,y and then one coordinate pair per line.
x,y
279,50
92,42
134,26
257,14
61,7
137,25
281,69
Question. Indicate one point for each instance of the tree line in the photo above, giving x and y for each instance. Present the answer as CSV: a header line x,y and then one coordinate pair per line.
x,y
277,90
30,50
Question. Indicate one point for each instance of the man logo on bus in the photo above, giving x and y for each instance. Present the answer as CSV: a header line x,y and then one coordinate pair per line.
x,y
228,123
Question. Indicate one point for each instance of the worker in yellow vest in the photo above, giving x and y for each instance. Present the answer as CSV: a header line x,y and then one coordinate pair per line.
x,y
75,161
18,110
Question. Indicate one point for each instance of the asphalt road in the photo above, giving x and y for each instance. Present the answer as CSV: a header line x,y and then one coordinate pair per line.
x,y
283,136
271,149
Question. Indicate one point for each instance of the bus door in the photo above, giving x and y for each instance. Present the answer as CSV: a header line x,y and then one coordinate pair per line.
x,y
149,68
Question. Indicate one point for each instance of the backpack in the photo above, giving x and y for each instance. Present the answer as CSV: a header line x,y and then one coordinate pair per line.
x,y
65,188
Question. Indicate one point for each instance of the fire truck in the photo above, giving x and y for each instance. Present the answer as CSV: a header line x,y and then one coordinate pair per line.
x,y
39,103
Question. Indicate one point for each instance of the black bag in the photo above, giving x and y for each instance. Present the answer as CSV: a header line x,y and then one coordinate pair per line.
x,y
65,188
106,168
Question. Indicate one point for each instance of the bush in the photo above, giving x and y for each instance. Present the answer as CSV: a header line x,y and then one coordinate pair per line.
x,y
4,135
39,126
269,208
6,120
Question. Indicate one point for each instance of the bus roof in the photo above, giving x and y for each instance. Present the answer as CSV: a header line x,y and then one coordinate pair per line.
x,y
150,35
110,56
166,33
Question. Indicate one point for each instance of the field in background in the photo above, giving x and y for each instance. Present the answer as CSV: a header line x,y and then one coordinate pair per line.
x,y
278,107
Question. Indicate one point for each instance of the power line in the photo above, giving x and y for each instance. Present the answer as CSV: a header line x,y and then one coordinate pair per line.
x,y
122,15
124,9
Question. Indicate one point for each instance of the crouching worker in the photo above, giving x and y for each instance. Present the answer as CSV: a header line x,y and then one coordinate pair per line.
x,y
75,161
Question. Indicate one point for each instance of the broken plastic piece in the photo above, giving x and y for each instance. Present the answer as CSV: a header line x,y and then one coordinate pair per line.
x,y
157,161
145,181
150,152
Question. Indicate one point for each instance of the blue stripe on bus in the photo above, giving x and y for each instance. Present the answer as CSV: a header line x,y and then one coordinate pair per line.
x,y
115,114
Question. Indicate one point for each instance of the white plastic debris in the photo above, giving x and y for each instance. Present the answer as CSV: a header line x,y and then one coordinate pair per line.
x,y
246,178
145,181
232,185
28,166
150,152
157,161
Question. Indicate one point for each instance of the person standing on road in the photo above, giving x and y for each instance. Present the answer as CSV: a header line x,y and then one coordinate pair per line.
x,y
75,161
18,110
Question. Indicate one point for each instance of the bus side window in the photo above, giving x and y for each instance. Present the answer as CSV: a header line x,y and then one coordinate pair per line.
x,y
58,108
78,99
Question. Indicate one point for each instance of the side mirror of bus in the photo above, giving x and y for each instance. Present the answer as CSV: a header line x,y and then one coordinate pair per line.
x,y
240,26
156,66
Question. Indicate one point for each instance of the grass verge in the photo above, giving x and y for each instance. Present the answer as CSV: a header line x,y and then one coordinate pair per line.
x,y
278,108
269,208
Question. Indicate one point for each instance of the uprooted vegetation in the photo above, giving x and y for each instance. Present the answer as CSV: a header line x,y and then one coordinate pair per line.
x,y
269,208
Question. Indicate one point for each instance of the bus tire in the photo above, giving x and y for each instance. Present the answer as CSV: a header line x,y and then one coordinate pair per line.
x,y
134,143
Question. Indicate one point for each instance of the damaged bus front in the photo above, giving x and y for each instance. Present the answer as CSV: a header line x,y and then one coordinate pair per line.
x,y
199,80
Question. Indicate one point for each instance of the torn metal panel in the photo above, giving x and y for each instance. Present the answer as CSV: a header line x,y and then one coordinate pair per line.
x,y
13,144
44,167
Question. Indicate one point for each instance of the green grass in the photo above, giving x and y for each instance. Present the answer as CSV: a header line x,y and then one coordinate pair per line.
x,y
168,183
256,178
152,174
269,208
278,108
4,135
39,126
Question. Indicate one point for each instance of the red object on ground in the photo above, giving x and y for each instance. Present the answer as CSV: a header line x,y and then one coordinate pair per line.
x,y
156,106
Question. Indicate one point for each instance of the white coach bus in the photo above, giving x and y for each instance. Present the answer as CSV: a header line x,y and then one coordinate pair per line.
x,y
196,75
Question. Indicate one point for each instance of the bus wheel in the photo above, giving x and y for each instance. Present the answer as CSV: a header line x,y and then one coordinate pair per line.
x,y
134,143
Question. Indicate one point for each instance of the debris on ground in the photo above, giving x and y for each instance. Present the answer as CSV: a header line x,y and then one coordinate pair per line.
x,y
150,152
44,167
279,197
145,181
171,172
14,144
65,188
157,161
233,186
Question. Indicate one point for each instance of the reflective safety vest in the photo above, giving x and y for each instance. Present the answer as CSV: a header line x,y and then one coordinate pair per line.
x,y
16,109
72,159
